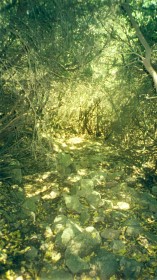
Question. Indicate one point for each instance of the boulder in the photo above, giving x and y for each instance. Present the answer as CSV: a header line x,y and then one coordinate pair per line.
x,y
84,243
72,202
110,233
76,264
31,254
131,268
49,273
105,264
133,227
66,231
94,199
119,247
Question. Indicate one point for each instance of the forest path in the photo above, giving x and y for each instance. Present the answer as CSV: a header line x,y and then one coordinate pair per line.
x,y
89,189
85,217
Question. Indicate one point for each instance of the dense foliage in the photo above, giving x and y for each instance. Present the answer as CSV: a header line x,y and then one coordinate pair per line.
x,y
73,68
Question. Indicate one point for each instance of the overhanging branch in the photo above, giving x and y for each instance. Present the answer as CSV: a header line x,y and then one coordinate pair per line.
x,y
147,59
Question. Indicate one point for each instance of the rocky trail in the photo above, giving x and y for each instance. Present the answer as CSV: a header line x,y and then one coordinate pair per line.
x,y
87,216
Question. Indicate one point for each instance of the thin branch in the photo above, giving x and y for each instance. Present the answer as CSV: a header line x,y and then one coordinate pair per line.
x,y
147,59
138,31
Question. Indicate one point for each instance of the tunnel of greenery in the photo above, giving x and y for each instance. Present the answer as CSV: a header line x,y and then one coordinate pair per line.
x,y
78,93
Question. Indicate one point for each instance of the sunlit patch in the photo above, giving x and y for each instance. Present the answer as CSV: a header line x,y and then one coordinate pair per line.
x,y
51,195
74,178
55,256
64,145
143,241
46,175
65,190
82,172
48,232
40,180
75,140
122,205
20,278
151,220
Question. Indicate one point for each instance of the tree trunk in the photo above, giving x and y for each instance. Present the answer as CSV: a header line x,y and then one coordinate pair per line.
x,y
147,59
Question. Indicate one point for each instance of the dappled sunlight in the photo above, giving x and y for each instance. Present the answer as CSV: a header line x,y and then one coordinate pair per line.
x,y
78,140
83,172
85,211
75,140
121,205
93,195
39,183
